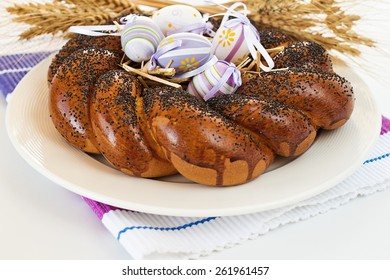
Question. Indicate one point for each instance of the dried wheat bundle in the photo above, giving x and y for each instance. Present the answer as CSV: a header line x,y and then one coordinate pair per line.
x,y
322,21
58,15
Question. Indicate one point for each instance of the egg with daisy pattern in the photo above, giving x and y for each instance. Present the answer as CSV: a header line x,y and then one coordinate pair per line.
x,y
185,52
229,43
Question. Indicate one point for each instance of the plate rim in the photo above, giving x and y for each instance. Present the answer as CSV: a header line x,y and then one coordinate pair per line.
x,y
172,211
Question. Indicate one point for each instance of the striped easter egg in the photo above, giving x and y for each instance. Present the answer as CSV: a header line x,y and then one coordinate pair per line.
x,y
237,37
185,52
229,43
140,38
221,78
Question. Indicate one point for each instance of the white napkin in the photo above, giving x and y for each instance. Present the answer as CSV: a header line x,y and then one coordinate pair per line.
x,y
147,236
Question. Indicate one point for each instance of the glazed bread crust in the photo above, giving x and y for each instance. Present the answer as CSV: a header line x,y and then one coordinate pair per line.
x,y
111,43
287,131
120,132
305,55
71,91
203,145
325,97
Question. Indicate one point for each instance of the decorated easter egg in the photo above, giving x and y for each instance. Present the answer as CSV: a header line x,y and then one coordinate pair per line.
x,y
221,78
236,38
176,17
229,43
185,52
140,38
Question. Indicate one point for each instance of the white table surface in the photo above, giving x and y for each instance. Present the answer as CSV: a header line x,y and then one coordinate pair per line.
x,y
41,220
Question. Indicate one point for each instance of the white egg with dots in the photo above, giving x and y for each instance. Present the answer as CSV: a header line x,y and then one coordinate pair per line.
x,y
174,17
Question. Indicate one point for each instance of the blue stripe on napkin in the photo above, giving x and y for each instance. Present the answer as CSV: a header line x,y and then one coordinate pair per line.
x,y
180,227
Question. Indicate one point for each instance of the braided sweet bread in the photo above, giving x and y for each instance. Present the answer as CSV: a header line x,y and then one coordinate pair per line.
x,y
228,140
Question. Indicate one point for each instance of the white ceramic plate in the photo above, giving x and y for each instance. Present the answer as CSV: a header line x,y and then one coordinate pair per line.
x,y
332,157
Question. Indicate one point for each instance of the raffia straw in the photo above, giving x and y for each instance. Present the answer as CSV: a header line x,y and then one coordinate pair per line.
x,y
250,67
248,59
143,82
118,27
163,71
150,77
274,51
244,62
169,63
258,61
166,71
179,80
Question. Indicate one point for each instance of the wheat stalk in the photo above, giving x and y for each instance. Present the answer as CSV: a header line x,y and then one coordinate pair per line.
x,y
58,16
321,21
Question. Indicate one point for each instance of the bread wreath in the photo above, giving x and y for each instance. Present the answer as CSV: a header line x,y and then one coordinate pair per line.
x,y
229,140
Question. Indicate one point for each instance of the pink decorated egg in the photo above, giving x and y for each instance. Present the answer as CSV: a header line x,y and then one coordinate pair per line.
x,y
220,78
185,52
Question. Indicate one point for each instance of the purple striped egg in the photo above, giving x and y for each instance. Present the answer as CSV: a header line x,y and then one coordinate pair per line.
x,y
140,38
185,52
221,78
